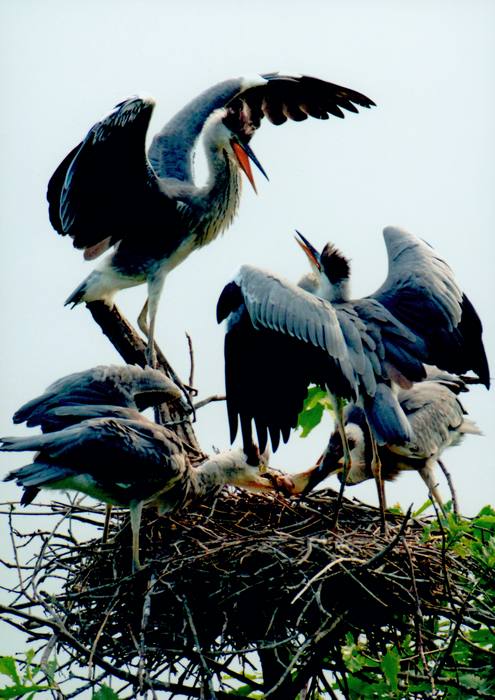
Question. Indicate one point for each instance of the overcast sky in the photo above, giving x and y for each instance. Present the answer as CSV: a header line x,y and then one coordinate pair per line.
x,y
422,159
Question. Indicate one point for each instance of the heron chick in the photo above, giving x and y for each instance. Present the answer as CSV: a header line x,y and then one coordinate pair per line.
x,y
437,419
126,386
130,463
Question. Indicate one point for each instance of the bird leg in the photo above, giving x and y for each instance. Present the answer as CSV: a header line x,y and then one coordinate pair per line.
x,y
149,332
376,469
428,476
135,510
151,354
106,525
155,286
338,406
142,319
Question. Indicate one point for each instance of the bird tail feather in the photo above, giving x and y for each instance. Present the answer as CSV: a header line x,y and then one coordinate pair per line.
x,y
37,474
90,285
77,295
470,427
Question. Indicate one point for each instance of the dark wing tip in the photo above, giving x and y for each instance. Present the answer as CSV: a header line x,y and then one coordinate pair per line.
x,y
229,300
29,494
293,97
54,190
471,330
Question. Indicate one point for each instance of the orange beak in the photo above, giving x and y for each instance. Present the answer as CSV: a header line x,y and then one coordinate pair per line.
x,y
244,155
311,252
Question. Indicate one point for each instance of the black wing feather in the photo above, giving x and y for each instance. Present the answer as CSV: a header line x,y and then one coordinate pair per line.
x,y
105,187
295,98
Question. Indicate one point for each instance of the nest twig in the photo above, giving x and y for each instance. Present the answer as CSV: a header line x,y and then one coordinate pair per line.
x,y
243,580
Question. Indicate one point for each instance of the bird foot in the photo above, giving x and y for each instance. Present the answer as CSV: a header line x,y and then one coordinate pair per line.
x,y
136,566
385,529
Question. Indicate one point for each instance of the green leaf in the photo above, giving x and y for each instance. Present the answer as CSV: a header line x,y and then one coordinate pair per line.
x,y
105,693
390,667
486,510
309,419
316,403
484,637
8,668
18,691
422,508
473,681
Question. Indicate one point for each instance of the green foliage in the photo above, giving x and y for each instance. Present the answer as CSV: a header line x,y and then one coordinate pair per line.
x,y
23,684
105,693
459,654
316,403
23,674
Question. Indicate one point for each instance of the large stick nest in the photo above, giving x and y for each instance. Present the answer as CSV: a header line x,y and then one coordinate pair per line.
x,y
239,574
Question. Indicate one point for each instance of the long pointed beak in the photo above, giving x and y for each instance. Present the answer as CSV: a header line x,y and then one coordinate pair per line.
x,y
327,465
244,153
310,250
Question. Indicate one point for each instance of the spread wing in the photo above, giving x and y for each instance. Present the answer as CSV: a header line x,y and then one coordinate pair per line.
x,y
117,385
285,97
246,101
138,454
279,339
421,291
105,189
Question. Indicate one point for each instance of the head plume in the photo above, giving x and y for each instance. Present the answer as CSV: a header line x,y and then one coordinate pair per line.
x,y
336,266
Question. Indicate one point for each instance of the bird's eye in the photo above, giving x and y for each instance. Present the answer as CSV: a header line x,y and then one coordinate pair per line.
x,y
352,443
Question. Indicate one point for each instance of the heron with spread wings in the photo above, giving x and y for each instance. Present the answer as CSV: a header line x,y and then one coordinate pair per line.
x,y
108,192
281,337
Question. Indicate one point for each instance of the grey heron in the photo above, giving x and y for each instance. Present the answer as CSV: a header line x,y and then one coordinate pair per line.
x,y
437,419
127,386
118,391
130,462
281,337
108,192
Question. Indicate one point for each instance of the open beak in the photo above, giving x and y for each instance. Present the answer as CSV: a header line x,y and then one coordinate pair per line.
x,y
311,252
244,154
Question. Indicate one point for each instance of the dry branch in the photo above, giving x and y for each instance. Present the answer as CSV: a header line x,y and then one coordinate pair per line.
x,y
241,575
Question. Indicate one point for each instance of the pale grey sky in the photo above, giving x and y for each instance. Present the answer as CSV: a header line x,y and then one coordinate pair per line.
x,y
422,159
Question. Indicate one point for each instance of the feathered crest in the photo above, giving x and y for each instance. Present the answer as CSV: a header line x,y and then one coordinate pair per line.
x,y
336,265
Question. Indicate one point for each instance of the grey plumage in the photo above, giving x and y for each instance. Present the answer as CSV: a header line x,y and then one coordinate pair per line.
x,y
126,386
108,192
280,338
128,462
115,460
437,420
